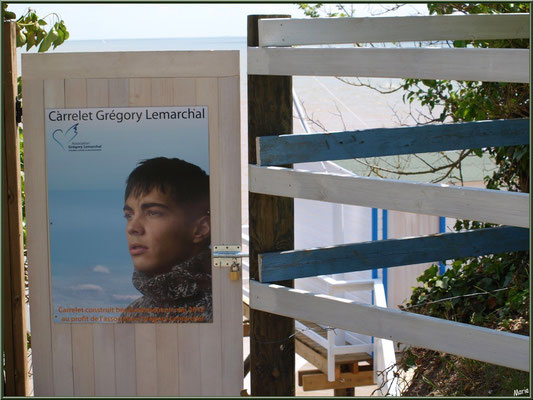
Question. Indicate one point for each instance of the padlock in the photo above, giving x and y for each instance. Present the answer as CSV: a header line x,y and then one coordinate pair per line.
x,y
234,273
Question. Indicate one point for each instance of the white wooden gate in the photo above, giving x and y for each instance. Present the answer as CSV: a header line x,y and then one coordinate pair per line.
x,y
136,359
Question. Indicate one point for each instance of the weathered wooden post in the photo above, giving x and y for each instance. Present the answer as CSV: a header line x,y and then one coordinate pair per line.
x,y
16,361
271,220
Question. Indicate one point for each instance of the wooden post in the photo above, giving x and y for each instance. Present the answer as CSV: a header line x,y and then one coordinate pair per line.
x,y
271,221
14,319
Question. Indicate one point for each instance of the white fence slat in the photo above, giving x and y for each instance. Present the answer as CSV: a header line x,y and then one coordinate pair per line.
x,y
167,335
483,344
54,96
125,360
491,65
192,64
124,334
306,31
206,90
229,165
494,206
103,334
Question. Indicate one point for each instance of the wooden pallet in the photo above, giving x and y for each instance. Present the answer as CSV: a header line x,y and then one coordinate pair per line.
x,y
351,370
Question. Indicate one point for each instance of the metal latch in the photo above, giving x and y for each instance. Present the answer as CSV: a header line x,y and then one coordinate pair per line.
x,y
229,256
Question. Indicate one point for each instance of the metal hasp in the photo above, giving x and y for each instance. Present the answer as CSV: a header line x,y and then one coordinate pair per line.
x,y
224,255
229,256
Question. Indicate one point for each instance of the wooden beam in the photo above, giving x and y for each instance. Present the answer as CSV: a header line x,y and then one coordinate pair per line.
x,y
193,64
319,381
271,229
286,149
482,344
398,29
294,264
494,206
14,299
483,64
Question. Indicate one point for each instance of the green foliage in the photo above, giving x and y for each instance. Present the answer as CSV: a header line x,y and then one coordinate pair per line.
x,y
487,291
31,33
490,291
315,11
31,30
462,376
463,101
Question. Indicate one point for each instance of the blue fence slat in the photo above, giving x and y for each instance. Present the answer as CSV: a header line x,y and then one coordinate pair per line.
x,y
288,149
390,253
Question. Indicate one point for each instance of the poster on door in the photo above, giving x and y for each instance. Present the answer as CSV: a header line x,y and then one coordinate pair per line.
x,y
129,215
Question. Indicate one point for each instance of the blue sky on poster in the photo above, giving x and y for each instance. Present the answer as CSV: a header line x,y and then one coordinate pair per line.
x,y
173,20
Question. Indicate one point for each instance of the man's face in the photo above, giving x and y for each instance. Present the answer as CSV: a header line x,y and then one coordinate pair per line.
x,y
158,231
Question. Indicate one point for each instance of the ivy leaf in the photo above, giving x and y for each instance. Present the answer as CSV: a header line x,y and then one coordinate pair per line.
x,y
30,39
21,38
47,42
478,152
9,15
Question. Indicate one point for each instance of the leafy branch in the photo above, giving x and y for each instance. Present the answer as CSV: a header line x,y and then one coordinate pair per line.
x,y
31,31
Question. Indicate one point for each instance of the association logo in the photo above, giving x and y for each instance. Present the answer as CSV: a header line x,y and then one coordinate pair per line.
x,y
64,138
67,143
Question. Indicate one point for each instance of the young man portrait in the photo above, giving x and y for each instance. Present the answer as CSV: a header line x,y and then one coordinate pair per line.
x,y
166,207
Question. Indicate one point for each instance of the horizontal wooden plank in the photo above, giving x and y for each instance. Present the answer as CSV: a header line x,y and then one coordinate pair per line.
x,y
306,31
483,344
499,207
279,266
185,64
491,65
289,149
319,381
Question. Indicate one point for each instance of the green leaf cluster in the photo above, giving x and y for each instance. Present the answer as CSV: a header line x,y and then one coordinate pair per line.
x,y
315,10
463,101
32,30
486,291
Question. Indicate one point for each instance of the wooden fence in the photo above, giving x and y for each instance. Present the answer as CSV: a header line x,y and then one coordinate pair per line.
x,y
271,175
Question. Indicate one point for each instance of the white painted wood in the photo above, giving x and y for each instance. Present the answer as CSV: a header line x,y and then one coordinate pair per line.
x,y
83,354
83,360
483,344
167,335
190,64
146,354
124,334
211,350
139,359
351,349
341,285
125,365
385,359
168,359
38,253
229,166
146,360
310,333
305,31
491,65
54,96
508,208
103,334
402,279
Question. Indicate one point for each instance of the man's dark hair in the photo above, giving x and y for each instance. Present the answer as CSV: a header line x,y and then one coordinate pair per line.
x,y
186,183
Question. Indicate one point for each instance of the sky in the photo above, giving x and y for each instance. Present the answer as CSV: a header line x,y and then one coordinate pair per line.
x,y
168,20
